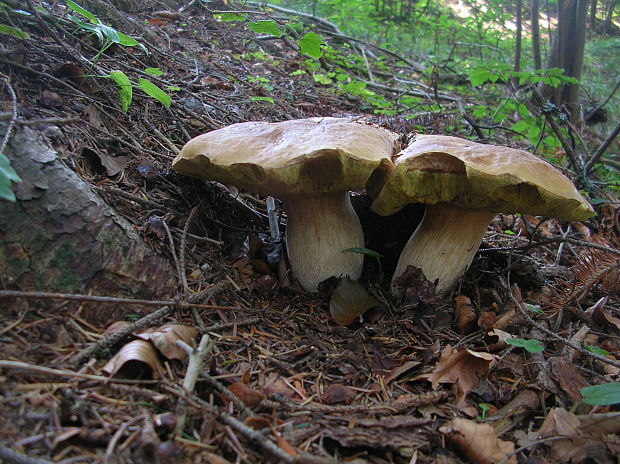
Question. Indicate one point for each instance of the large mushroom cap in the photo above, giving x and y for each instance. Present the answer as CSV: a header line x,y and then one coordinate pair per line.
x,y
440,169
290,158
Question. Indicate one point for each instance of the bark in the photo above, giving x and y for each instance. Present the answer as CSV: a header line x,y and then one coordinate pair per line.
x,y
519,32
60,236
536,35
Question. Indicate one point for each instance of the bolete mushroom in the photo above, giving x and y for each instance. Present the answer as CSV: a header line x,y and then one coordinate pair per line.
x,y
464,184
310,164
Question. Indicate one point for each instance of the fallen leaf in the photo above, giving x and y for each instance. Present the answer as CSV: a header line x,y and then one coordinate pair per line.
x,y
337,393
349,301
164,338
465,314
478,442
258,422
285,446
566,376
463,368
275,385
250,397
487,320
399,370
417,288
133,358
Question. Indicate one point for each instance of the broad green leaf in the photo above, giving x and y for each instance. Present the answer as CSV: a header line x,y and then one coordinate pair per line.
x,y
596,350
125,92
265,99
310,44
154,71
364,251
322,78
110,33
479,76
151,89
125,40
173,88
14,32
604,394
6,193
228,17
79,10
531,345
266,26
7,171
299,72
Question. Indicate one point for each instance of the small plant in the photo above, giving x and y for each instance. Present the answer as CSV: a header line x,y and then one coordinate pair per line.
x,y
7,177
529,345
604,394
484,408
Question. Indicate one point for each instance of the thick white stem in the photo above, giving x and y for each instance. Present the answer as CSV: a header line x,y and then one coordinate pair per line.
x,y
318,229
444,244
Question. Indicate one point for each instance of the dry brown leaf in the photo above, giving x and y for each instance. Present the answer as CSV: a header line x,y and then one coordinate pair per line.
x,y
285,445
566,376
463,368
116,327
399,370
275,385
478,442
465,313
133,358
337,393
164,338
487,320
560,422
258,422
250,397
349,301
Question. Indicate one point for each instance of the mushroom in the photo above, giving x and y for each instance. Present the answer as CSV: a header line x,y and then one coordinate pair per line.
x,y
464,184
310,164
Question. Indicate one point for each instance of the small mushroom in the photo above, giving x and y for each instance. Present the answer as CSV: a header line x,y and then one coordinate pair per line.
x,y
310,164
464,184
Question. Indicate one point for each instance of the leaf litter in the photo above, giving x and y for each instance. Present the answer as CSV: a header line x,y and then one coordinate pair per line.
x,y
283,382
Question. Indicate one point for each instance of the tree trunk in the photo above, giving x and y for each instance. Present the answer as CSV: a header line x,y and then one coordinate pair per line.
x,y
567,54
60,236
519,32
609,13
536,35
592,20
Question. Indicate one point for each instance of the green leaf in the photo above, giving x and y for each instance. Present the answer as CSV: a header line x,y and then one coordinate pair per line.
x,y
266,26
125,92
479,76
154,71
604,394
12,31
151,89
229,17
310,44
7,171
299,72
173,88
364,251
531,345
6,193
79,10
322,78
596,350
265,99
110,33
126,41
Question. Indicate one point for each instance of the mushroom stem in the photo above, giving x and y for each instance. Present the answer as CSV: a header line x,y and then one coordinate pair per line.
x,y
318,229
444,244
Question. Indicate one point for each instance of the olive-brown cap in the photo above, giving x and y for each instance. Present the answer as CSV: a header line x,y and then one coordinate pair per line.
x,y
441,169
290,158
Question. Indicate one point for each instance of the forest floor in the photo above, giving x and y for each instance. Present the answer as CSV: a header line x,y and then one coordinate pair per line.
x,y
276,379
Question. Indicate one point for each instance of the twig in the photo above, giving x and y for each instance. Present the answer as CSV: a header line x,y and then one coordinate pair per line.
x,y
599,152
274,228
104,299
194,366
182,249
177,264
518,302
33,122
470,120
146,321
13,99
574,241
226,391
609,97
540,101
416,93
9,456
67,373
117,436
137,199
